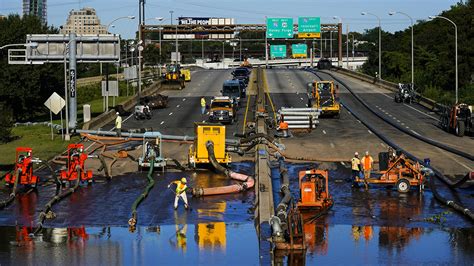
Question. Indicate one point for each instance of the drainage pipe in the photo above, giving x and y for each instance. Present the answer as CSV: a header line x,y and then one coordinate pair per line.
x,y
133,220
281,210
11,197
248,181
56,199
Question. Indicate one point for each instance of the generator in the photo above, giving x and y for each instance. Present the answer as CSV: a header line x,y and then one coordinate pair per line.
x,y
314,190
198,151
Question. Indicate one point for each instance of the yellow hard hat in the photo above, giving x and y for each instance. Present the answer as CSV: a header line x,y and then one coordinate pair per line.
x,y
183,180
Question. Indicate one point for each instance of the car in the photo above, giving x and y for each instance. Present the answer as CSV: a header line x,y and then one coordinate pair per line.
x,y
233,90
243,87
242,73
223,110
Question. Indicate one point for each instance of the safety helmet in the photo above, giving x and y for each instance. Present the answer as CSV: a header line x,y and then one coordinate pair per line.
x,y
117,113
183,180
356,153
367,153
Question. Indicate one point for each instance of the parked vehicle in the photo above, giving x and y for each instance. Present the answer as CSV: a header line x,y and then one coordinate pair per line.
x,y
233,90
406,94
155,101
459,119
223,110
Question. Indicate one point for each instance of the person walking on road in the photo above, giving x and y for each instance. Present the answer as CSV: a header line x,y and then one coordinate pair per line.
x,y
355,162
203,105
118,125
180,192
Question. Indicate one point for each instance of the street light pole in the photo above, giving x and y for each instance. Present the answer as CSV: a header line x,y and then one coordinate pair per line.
x,y
455,48
412,43
339,63
380,41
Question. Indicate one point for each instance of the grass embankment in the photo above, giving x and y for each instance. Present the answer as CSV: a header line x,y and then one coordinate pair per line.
x,y
36,137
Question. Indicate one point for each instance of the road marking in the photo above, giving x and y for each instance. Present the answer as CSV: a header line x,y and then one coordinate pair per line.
x,y
456,160
171,113
421,112
407,127
403,124
162,122
414,132
177,106
383,145
184,99
370,132
388,96
324,131
332,145
302,99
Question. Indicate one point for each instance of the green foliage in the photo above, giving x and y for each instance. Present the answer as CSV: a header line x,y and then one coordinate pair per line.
x,y
434,50
6,123
24,88
438,218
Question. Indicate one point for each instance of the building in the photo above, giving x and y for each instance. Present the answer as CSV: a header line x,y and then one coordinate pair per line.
x,y
35,8
83,21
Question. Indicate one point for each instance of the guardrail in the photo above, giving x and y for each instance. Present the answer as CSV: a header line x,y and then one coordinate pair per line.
x,y
109,116
426,102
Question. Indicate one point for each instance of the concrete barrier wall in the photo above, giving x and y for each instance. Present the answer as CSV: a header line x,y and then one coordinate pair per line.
x,y
426,102
107,117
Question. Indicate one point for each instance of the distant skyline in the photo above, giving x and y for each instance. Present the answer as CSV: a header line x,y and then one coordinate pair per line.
x,y
245,11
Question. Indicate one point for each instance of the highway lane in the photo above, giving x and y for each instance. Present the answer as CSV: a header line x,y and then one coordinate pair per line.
x,y
411,116
184,106
447,162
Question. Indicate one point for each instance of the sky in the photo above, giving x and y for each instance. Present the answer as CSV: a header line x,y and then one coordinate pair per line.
x,y
246,11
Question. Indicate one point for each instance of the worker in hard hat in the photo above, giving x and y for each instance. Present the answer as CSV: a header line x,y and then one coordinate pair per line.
x,y
367,164
203,105
355,166
180,192
118,125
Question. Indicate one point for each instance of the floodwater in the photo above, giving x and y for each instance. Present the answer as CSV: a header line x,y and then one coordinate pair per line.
x,y
380,226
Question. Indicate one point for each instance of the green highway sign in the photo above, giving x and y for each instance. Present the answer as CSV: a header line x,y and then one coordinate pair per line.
x,y
277,51
279,28
309,27
299,50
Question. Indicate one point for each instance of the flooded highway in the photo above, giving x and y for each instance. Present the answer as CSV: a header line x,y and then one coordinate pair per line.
x,y
379,226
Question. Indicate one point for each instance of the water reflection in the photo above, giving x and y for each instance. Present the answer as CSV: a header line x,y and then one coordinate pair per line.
x,y
211,235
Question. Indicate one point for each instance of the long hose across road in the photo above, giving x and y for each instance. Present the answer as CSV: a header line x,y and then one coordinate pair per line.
x,y
404,130
456,206
133,220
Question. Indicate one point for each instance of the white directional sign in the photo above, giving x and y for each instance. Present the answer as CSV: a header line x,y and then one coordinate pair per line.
x,y
113,88
55,103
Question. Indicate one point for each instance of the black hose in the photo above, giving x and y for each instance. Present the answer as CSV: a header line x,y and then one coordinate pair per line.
x,y
178,164
422,138
133,220
56,199
53,173
104,167
452,204
259,135
281,209
213,160
11,197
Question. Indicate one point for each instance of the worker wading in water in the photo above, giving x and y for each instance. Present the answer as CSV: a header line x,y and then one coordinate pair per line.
x,y
180,192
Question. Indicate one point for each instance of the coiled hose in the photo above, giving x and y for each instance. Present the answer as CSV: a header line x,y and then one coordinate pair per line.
x,y
404,130
48,207
248,181
132,222
456,206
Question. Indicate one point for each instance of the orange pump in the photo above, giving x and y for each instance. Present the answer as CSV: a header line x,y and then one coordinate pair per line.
x,y
76,158
23,169
314,190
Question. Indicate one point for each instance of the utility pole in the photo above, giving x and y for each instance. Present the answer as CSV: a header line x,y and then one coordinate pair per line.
x,y
72,80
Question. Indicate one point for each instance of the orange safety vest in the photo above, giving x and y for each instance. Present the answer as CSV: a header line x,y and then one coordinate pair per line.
x,y
367,162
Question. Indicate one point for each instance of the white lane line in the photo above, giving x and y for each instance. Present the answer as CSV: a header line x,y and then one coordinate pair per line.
x,y
388,96
171,113
398,121
456,160
184,99
421,112
332,145
370,132
302,99
324,132
407,127
162,122
383,145
177,106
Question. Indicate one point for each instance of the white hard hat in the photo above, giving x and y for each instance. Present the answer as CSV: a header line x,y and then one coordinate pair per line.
x,y
117,113
356,153
367,153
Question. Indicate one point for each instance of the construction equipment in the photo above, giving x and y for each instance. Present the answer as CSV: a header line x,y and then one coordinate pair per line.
x,y
173,77
406,94
223,110
23,169
314,190
459,119
397,171
322,95
76,158
155,101
142,112
198,151
186,74
151,151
